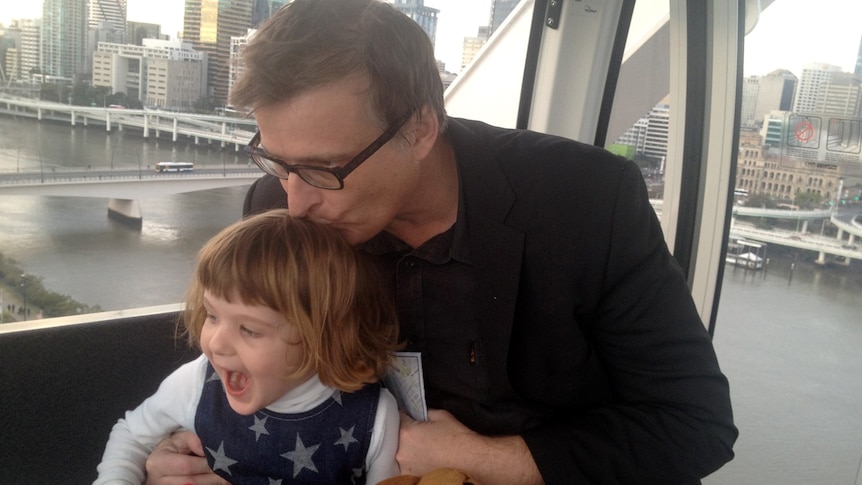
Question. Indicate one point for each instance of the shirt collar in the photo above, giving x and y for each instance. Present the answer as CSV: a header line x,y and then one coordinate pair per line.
x,y
450,244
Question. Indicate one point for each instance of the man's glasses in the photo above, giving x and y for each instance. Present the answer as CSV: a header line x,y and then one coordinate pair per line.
x,y
321,177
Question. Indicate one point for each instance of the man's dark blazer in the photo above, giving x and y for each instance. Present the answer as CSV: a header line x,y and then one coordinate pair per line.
x,y
594,350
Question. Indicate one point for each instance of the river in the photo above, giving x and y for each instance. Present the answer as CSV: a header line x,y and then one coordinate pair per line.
x,y
70,242
789,340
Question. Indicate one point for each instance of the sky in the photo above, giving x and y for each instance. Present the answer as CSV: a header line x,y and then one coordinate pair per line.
x,y
789,34
792,33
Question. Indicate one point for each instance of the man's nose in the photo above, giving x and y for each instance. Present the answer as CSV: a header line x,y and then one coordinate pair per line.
x,y
300,195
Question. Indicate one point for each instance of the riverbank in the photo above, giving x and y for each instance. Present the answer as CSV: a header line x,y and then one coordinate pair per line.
x,y
23,297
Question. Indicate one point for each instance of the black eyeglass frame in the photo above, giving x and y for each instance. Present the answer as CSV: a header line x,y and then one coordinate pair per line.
x,y
253,151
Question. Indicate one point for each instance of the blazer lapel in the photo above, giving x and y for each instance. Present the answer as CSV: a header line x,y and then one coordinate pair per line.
x,y
495,248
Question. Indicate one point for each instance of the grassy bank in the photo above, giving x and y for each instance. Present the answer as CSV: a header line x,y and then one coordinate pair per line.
x,y
24,296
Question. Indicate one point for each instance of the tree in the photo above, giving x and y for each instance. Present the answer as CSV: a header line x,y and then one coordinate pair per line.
x,y
204,104
807,200
761,200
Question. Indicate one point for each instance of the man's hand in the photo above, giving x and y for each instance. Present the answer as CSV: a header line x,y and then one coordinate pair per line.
x,y
425,446
443,442
179,460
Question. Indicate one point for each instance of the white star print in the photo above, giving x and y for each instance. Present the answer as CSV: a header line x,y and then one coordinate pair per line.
x,y
337,397
301,457
259,427
222,462
346,437
273,481
213,377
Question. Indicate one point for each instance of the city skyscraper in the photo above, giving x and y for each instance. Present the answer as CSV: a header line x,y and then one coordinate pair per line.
x,y
263,9
64,38
763,94
500,9
826,89
472,46
426,17
136,32
28,50
111,11
858,70
840,95
649,135
164,73
813,76
750,92
209,25
260,11
107,23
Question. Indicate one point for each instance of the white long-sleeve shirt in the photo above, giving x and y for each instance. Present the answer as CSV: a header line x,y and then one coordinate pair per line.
x,y
173,407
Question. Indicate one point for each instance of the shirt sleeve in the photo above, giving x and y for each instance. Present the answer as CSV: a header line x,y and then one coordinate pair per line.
x,y
135,436
380,460
670,418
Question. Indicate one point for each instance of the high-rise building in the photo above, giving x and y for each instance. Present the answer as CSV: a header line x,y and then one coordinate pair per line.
x,y
772,130
164,73
813,76
750,91
426,17
29,51
209,25
472,46
237,44
776,93
260,11
107,23
858,70
10,62
500,9
136,32
763,94
649,135
64,38
110,11
263,9
658,129
840,95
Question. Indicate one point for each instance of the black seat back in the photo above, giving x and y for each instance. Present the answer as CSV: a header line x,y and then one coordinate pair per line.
x,y
62,389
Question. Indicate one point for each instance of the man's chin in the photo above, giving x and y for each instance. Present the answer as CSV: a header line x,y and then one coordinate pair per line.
x,y
353,236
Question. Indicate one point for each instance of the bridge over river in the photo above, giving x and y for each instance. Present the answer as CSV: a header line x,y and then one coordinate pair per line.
x,y
847,244
227,131
123,188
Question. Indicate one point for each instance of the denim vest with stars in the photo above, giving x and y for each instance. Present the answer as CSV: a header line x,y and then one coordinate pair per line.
x,y
325,445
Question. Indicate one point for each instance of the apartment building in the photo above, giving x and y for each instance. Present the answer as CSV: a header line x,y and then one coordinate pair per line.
x,y
161,73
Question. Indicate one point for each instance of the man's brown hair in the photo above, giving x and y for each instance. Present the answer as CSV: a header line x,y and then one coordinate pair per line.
x,y
310,43
331,292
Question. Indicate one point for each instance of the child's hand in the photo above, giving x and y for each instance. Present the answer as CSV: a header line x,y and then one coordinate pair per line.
x,y
179,460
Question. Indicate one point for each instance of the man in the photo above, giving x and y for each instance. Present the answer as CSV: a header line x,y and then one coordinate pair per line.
x,y
556,330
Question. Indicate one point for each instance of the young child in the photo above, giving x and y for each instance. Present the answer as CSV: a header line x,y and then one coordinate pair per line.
x,y
296,330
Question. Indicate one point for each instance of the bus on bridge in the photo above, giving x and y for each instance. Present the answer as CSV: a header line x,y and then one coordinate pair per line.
x,y
174,167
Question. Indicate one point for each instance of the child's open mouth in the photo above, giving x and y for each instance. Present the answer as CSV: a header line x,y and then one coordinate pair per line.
x,y
236,383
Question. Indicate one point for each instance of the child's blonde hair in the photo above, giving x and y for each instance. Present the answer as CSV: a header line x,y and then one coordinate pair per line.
x,y
308,273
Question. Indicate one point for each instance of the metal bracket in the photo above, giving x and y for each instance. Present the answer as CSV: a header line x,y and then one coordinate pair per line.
x,y
552,18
